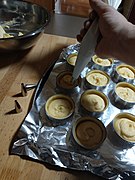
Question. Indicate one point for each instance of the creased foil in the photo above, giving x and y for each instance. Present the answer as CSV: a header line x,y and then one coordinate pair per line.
x,y
38,139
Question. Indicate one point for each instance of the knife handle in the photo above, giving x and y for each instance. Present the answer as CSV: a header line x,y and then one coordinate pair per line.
x,y
92,16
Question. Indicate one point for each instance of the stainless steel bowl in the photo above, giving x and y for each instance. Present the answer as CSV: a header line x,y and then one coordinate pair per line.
x,y
27,18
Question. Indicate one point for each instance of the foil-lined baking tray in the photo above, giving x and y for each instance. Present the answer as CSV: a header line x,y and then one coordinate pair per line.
x,y
38,139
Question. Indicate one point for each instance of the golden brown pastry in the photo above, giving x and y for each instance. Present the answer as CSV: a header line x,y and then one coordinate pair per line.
x,y
93,102
126,93
125,127
89,133
72,59
97,79
102,62
59,106
126,72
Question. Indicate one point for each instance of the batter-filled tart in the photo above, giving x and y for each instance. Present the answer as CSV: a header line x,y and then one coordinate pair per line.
x,y
89,132
59,107
126,92
64,81
94,101
102,62
126,71
124,125
97,78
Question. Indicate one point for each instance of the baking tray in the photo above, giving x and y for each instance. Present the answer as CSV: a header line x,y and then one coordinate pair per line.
x,y
38,139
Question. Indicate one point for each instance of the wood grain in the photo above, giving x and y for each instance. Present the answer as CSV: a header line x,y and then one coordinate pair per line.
x,y
49,4
27,67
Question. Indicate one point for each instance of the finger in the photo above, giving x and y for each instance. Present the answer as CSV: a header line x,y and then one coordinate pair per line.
x,y
83,32
92,15
99,6
79,38
87,24
81,35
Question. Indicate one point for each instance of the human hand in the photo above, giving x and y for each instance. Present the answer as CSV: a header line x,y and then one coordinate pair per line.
x,y
114,28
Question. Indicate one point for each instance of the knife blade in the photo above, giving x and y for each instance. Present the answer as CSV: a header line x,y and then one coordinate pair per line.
x,y
87,48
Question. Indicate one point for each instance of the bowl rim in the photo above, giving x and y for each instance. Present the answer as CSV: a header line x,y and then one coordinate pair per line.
x,y
33,32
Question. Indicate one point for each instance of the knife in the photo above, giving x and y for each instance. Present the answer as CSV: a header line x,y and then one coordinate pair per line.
x,y
88,44
87,48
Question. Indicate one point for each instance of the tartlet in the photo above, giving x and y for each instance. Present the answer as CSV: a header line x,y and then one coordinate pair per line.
x,y
89,132
64,82
124,72
97,79
102,64
124,126
59,107
124,93
94,101
71,60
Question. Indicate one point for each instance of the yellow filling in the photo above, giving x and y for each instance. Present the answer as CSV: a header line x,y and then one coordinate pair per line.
x,y
126,129
93,103
126,94
72,59
126,72
59,108
97,79
102,62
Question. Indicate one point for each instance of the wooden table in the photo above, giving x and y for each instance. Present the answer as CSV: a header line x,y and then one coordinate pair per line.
x,y
27,67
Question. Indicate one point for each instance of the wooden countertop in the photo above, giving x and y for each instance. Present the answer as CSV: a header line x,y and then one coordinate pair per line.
x,y
27,68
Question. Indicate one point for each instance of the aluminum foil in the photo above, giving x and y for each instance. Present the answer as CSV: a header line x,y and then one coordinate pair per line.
x,y
39,139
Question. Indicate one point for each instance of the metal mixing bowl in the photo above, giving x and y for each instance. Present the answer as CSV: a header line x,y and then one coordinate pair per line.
x,y
27,19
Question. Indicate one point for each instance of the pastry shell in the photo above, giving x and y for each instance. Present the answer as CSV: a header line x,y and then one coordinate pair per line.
x,y
101,66
64,82
88,132
115,134
86,109
97,86
56,115
124,77
71,60
119,100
